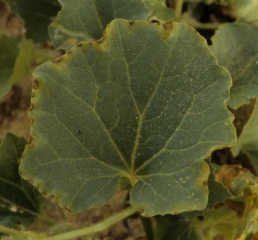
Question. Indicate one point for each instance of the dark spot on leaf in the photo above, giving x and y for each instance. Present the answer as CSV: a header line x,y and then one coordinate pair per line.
x,y
35,84
167,26
131,22
100,40
58,60
31,107
140,210
67,209
79,45
155,21
30,139
79,131
91,43
62,51
201,218
205,183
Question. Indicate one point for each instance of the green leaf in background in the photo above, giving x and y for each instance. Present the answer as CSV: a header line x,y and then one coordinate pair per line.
x,y
15,59
220,223
247,11
18,198
86,20
146,103
246,188
157,11
174,228
236,47
37,15
14,219
240,183
22,63
250,224
8,53
216,223
217,192
248,140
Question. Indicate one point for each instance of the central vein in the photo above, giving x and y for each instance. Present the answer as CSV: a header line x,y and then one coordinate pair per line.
x,y
135,148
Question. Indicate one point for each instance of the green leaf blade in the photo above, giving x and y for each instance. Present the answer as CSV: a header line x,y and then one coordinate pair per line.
x,y
248,140
15,61
217,223
9,51
23,61
86,20
174,227
235,46
37,16
217,191
14,191
147,94
247,11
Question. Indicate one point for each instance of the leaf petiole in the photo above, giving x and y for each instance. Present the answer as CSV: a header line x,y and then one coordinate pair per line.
x,y
98,227
178,8
11,231
87,231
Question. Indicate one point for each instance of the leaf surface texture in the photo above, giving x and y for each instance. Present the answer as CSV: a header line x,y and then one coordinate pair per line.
x,y
146,103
